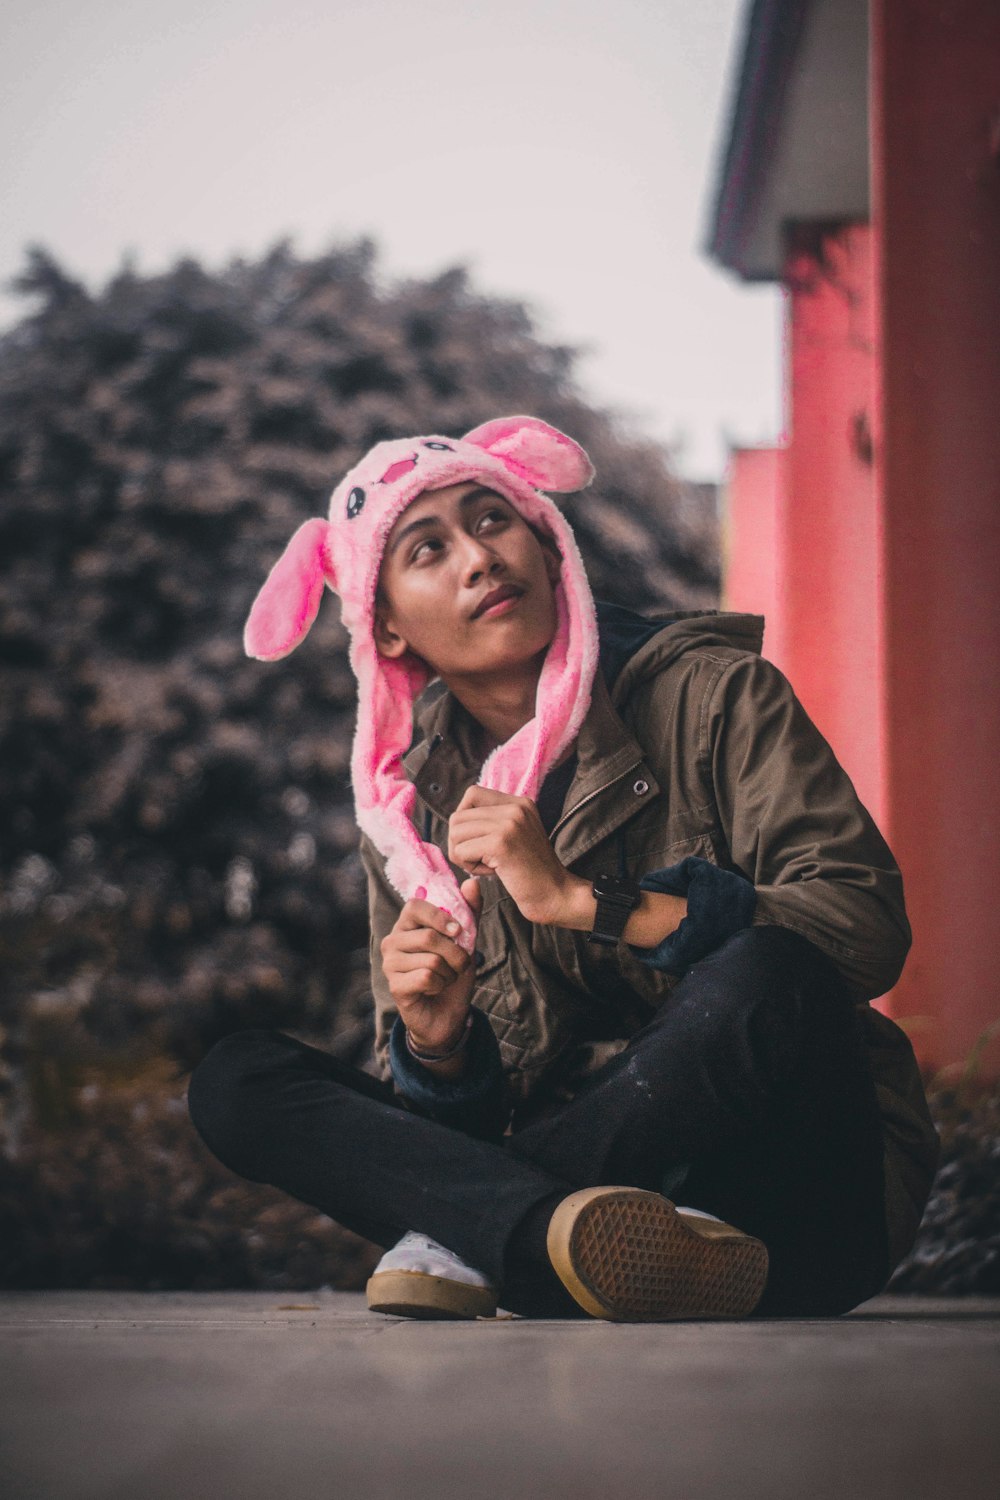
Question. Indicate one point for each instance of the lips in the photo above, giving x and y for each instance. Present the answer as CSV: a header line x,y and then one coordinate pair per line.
x,y
505,591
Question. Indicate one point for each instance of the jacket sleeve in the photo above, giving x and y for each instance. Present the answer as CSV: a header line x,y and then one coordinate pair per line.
x,y
477,1103
797,829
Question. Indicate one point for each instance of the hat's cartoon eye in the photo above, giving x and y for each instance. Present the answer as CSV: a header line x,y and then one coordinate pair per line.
x,y
442,447
355,502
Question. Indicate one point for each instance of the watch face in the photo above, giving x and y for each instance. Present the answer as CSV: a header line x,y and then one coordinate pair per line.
x,y
617,888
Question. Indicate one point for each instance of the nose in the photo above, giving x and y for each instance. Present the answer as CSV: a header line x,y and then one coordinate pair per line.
x,y
478,557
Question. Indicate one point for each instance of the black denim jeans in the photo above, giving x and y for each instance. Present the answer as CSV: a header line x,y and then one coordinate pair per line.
x,y
750,1088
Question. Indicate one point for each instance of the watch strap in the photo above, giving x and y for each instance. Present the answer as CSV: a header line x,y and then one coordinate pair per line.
x,y
612,914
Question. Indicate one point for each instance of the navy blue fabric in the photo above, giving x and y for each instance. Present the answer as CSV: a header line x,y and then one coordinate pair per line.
x,y
476,1103
620,633
720,903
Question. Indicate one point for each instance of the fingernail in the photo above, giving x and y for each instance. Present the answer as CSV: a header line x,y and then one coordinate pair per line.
x,y
452,926
420,892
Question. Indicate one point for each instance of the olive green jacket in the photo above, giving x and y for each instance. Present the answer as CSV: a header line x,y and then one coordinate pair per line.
x,y
700,747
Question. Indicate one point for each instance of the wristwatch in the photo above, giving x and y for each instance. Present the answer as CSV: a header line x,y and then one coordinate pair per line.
x,y
616,896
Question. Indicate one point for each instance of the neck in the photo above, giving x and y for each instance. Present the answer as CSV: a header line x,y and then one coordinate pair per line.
x,y
500,703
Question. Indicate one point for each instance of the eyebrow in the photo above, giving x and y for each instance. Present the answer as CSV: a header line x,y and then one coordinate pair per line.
x,y
464,503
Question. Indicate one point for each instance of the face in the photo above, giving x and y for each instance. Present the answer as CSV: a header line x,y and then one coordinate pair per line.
x,y
447,551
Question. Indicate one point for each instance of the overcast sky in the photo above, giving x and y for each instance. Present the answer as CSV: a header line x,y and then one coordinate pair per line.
x,y
565,150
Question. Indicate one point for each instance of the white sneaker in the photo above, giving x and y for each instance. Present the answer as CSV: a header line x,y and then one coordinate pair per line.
x,y
418,1278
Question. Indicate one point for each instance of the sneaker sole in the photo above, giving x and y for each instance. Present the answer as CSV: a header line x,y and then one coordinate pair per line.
x,y
415,1294
629,1255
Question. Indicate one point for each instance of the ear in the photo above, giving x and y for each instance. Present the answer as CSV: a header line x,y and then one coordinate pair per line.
x,y
553,565
387,642
288,603
534,451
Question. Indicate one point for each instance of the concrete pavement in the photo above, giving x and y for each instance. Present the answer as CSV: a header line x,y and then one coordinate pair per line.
x,y
109,1395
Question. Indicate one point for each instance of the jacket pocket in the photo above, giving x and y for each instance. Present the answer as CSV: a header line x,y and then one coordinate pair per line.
x,y
655,852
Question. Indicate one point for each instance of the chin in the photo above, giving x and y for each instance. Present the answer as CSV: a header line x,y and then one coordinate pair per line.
x,y
520,647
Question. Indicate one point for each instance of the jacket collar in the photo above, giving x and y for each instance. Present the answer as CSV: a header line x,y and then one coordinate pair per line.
x,y
612,780
444,764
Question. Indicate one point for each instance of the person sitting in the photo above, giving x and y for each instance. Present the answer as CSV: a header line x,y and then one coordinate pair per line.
x,y
627,916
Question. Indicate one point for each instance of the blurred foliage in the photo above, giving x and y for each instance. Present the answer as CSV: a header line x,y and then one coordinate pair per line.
x,y
112,1189
179,851
957,1251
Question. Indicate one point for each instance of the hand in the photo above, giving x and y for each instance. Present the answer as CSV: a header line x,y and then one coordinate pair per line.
x,y
493,833
429,976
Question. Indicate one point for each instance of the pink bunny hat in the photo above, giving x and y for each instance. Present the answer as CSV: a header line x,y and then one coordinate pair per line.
x,y
518,457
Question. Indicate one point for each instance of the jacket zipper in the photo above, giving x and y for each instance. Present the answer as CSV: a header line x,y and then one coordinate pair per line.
x,y
591,795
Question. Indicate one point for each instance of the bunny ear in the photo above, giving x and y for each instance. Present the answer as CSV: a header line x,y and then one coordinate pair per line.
x,y
534,451
289,601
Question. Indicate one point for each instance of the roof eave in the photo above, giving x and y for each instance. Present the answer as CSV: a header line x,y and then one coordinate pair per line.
x,y
771,37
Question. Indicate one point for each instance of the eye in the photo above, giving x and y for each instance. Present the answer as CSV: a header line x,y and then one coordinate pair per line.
x,y
441,447
355,501
493,513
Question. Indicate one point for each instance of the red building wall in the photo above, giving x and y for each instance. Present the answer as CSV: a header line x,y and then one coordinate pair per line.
x,y
935,79
832,652
801,526
801,535
751,540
